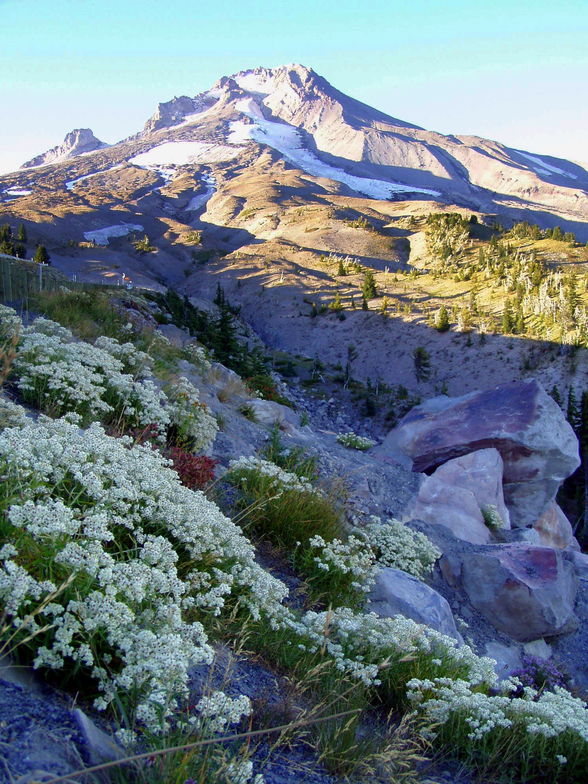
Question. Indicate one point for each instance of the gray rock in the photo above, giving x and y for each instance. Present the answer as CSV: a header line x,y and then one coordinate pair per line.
x,y
267,412
538,648
520,420
397,593
100,747
524,591
507,658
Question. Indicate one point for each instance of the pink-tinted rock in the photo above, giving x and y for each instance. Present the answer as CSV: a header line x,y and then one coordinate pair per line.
x,y
454,507
520,420
555,530
481,473
527,592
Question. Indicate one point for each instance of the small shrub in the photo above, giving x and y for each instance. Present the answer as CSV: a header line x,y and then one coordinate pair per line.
x,y
353,441
195,471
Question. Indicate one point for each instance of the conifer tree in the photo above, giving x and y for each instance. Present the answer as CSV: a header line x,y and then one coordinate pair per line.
x,y
41,256
364,303
556,395
368,287
507,319
442,320
21,234
422,363
572,412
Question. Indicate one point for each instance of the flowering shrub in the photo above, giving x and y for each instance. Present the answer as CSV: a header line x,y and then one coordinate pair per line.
x,y
280,505
388,652
108,381
192,423
353,441
195,471
539,673
59,375
116,516
395,544
341,570
244,467
11,414
541,736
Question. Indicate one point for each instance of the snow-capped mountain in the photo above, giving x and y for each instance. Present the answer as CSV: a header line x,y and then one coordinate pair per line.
x,y
76,142
332,143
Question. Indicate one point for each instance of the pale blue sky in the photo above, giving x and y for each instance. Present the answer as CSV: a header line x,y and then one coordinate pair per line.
x,y
515,71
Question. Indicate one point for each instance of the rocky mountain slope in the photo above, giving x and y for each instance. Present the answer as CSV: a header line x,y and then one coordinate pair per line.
x,y
483,553
80,141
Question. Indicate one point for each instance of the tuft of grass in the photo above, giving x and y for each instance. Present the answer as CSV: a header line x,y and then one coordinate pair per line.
x,y
295,459
89,314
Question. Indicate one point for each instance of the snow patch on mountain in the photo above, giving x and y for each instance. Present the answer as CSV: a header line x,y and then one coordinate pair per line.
x,y
16,192
183,153
70,184
196,202
286,139
544,168
102,236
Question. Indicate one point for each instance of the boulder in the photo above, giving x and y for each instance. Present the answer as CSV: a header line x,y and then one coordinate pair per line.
x,y
480,472
266,412
526,592
507,658
555,530
397,593
454,507
459,493
520,420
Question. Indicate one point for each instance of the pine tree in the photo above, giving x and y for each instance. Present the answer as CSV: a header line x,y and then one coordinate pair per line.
x,y
341,271
442,320
364,303
21,234
41,256
336,304
507,319
519,326
422,363
368,287
572,412
555,394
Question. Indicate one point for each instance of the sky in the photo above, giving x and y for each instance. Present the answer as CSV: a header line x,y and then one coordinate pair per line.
x,y
511,70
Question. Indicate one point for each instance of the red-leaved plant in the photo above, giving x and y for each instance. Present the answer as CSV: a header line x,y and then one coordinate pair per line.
x,y
195,471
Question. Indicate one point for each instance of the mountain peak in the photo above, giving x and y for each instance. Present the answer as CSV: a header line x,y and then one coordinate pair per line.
x,y
76,142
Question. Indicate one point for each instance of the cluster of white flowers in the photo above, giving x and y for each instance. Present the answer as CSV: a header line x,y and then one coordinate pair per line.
x,y
349,557
395,544
241,772
194,421
359,642
198,356
549,714
61,374
284,480
11,414
353,441
107,380
217,710
10,322
117,515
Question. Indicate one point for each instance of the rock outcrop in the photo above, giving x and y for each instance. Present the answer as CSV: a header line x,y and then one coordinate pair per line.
x,y
524,591
519,420
77,142
464,494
